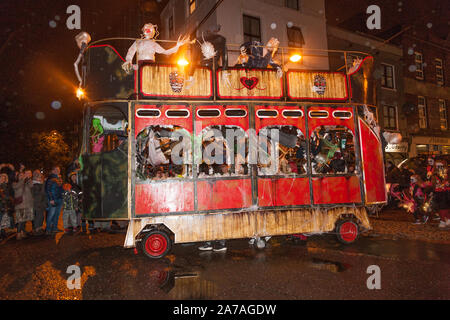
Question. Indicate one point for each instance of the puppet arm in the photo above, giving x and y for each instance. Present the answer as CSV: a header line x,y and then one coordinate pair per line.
x,y
127,65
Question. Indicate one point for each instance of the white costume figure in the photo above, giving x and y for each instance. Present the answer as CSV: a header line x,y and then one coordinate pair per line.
x,y
147,47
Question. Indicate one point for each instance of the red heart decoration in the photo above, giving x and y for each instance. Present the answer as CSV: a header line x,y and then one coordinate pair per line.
x,y
249,83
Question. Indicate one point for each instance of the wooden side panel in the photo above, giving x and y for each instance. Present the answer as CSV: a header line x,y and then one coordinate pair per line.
x,y
164,197
224,194
329,190
235,225
283,192
373,165
168,81
302,85
250,84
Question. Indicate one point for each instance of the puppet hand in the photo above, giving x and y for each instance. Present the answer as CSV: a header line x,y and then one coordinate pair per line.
x,y
127,67
182,41
279,72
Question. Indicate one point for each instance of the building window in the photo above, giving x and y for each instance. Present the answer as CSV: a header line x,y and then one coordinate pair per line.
x,y
293,4
443,114
192,6
170,26
419,65
390,117
422,108
252,29
439,72
295,37
387,79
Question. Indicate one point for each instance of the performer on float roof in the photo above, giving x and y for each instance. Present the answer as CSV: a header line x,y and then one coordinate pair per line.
x,y
146,47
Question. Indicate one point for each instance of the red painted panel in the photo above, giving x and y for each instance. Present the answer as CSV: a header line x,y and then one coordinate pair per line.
x,y
164,197
313,123
336,190
222,119
142,123
279,120
224,194
373,165
283,192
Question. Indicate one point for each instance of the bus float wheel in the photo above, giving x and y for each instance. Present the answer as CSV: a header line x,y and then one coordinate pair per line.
x,y
347,231
156,244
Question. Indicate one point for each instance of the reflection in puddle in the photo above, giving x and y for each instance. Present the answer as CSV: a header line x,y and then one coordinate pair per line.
x,y
185,286
328,265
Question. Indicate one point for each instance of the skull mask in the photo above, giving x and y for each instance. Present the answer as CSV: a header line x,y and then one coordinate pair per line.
x,y
320,84
176,81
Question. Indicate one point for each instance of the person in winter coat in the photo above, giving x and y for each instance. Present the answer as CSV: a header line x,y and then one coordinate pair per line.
x,y
39,202
23,202
54,191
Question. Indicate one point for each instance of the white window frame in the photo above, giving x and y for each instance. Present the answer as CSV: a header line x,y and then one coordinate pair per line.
x,y
439,67
443,110
419,65
423,123
396,117
394,87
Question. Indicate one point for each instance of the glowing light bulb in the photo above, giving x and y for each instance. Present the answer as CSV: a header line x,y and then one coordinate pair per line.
x,y
295,58
80,93
182,62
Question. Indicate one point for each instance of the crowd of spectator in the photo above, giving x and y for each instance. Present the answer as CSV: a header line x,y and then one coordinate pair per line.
x,y
30,200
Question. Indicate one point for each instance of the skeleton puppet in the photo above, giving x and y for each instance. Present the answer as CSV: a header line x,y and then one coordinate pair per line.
x,y
146,47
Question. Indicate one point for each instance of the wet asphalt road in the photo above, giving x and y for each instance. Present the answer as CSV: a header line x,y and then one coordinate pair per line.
x,y
36,268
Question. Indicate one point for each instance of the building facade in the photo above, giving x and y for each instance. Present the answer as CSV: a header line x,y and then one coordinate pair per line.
x,y
388,74
427,95
295,23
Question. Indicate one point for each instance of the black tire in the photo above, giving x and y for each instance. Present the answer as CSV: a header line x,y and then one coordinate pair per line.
x,y
347,231
156,244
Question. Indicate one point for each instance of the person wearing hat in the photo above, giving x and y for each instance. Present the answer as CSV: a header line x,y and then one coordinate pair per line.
x,y
39,202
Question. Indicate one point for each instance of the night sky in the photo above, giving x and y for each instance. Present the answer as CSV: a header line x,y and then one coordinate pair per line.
x,y
38,51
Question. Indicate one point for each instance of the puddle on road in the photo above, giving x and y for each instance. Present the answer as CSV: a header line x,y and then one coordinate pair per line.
x,y
396,249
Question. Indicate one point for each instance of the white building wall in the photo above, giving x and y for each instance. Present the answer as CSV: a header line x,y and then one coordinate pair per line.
x,y
310,18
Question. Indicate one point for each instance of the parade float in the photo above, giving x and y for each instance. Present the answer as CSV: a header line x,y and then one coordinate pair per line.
x,y
305,153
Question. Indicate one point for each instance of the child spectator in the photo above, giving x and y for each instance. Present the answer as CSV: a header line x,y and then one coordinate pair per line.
x,y
70,204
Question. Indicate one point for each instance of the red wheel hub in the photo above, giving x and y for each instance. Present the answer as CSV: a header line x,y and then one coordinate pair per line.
x,y
348,231
155,245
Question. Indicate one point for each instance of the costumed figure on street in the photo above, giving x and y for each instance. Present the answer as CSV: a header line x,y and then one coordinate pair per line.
x,y
146,47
